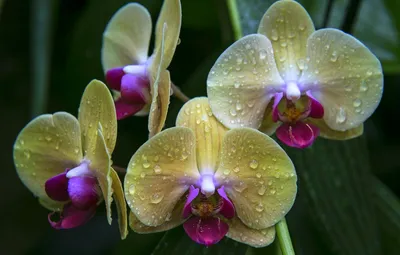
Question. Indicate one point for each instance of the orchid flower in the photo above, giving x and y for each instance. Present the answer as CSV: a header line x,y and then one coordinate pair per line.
x,y
141,84
237,183
66,162
295,81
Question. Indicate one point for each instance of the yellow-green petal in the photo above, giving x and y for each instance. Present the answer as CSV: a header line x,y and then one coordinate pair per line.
x,y
328,133
344,76
46,147
242,82
288,25
268,126
173,220
258,176
254,237
160,102
159,173
119,199
126,37
97,106
100,163
196,115
168,28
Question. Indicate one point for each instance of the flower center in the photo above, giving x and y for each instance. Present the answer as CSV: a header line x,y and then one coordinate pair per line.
x,y
206,207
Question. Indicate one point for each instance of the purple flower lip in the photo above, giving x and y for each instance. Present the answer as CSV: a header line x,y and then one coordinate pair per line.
x,y
79,190
294,132
205,225
133,84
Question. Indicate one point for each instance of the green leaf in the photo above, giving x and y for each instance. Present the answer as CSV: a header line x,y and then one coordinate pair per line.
x,y
380,34
334,177
387,207
176,241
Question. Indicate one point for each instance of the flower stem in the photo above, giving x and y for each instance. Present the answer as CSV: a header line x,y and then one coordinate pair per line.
x,y
42,15
235,18
176,91
284,238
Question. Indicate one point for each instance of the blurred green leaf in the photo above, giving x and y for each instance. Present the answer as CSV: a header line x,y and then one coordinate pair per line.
x,y
335,178
388,210
379,33
176,241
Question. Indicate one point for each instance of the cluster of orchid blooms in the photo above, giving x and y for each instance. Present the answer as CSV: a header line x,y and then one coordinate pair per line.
x,y
217,172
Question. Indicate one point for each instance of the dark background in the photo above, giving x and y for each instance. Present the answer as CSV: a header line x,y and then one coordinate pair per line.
x,y
365,171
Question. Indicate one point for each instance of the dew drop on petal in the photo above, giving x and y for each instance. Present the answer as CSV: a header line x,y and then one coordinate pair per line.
x,y
357,102
142,174
341,116
132,189
227,171
157,169
262,54
156,198
236,169
259,207
274,35
261,190
253,164
240,186
146,164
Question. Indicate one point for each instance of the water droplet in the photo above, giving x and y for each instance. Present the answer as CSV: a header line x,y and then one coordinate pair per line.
x,y
341,116
27,154
157,158
227,171
239,187
369,73
239,106
274,34
282,58
259,207
301,63
157,169
239,60
253,164
233,112
258,175
184,155
156,198
357,102
236,84
363,86
272,191
132,189
48,138
142,174
236,169
302,27
334,56
283,44
261,190
263,54
146,164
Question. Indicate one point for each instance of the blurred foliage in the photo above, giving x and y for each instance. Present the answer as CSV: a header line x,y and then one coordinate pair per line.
x,y
342,208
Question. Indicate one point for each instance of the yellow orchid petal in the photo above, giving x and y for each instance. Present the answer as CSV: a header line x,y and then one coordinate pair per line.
x,y
242,82
126,37
344,76
97,106
288,25
168,28
253,237
46,147
119,199
159,173
100,163
328,133
173,220
268,126
160,103
258,176
196,115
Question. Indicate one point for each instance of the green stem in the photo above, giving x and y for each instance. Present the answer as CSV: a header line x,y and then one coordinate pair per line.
x,y
284,238
235,19
41,16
